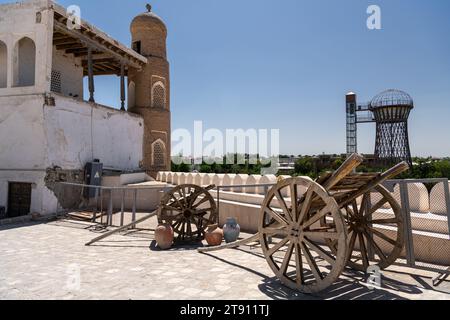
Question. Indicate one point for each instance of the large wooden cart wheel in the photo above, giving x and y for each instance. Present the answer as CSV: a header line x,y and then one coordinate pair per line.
x,y
189,209
293,240
375,230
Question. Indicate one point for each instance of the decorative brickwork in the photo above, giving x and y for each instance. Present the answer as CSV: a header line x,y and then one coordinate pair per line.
x,y
152,91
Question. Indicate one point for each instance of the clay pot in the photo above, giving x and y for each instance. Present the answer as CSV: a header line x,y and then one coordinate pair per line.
x,y
164,236
231,230
214,235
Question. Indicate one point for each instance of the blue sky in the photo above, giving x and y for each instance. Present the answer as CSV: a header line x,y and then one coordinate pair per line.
x,y
288,64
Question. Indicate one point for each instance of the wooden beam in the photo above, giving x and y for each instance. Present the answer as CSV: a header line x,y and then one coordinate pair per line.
x,y
91,76
122,87
77,50
104,73
107,66
85,53
101,60
71,45
60,27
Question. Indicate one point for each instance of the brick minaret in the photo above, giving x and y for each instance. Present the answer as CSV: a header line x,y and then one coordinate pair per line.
x,y
149,90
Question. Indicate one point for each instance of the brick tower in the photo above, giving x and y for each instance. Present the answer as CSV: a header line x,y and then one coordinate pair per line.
x,y
149,90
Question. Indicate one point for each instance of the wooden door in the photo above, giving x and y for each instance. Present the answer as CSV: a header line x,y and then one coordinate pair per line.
x,y
19,199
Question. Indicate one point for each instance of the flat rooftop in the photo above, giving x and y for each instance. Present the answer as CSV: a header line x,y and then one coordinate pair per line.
x,y
41,261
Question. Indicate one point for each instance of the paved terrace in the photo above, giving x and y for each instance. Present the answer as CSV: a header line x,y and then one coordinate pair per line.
x,y
39,261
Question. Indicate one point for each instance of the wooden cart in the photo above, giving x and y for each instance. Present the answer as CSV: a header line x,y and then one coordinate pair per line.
x,y
310,230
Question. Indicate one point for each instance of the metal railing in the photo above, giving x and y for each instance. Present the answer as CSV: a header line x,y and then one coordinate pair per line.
x,y
109,192
409,215
411,259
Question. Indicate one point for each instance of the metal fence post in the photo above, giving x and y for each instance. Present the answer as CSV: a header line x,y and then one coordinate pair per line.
x,y
447,203
110,208
94,216
368,205
133,218
101,205
122,207
267,218
409,245
218,204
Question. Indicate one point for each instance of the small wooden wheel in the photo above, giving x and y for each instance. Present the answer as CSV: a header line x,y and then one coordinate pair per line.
x,y
189,209
294,242
377,228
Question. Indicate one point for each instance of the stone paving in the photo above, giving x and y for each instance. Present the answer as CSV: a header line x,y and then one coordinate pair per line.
x,y
49,261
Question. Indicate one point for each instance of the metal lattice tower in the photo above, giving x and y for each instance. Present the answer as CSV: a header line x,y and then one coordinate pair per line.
x,y
391,110
352,128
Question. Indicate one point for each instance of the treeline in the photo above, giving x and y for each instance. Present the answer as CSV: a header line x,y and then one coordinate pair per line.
x,y
314,166
422,168
246,166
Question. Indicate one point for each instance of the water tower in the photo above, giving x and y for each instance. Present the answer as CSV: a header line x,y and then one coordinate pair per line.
x,y
390,111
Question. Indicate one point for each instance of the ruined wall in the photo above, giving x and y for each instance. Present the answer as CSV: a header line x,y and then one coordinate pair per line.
x,y
38,137
78,132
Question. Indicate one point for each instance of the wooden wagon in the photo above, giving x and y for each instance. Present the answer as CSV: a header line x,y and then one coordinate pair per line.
x,y
308,230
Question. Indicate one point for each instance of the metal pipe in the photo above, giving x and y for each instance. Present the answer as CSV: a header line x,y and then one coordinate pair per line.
x,y
94,216
122,208
133,218
90,75
110,208
409,245
447,203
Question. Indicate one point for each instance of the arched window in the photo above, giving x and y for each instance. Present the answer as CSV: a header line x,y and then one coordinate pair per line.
x,y
158,153
3,65
158,95
131,95
24,62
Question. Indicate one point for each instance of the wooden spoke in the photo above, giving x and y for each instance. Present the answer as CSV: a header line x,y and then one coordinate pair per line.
x,y
316,217
355,209
321,252
276,216
287,259
385,221
306,205
169,207
271,231
205,199
352,242
364,255
176,224
182,194
375,246
203,211
298,265
377,206
382,236
283,205
294,203
312,263
277,247
363,206
322,234
177,201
